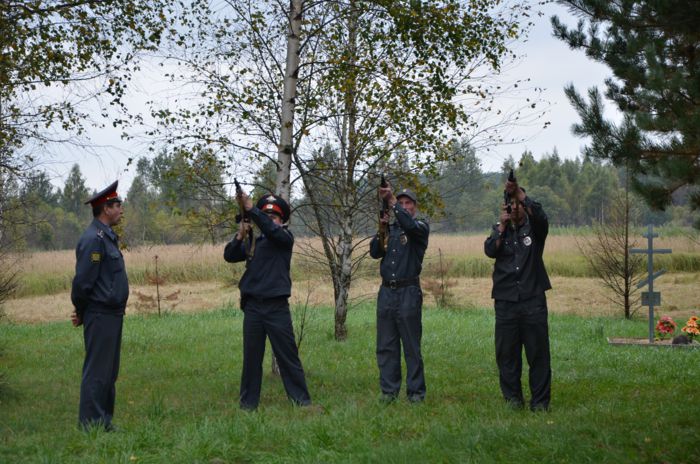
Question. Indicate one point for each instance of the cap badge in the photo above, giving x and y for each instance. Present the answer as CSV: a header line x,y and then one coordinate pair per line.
x,y
270,199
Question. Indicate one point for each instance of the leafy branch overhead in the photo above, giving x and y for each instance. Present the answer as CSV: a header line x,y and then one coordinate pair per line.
x,y
58,55
415,74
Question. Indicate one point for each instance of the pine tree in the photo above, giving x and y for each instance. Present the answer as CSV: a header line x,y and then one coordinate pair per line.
x,y
652,48
75,193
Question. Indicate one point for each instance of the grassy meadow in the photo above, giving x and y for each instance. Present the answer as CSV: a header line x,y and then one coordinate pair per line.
x,y
178,387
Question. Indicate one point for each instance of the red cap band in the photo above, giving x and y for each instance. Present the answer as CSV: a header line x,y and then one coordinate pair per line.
x,y
105,199
273,208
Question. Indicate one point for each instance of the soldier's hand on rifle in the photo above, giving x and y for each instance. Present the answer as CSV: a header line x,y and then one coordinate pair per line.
x,y
75,319
387,194
385,218
243,229
247,202
514,190
505,217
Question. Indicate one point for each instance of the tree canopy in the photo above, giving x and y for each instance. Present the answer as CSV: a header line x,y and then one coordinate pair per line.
x,y
652,48
56,55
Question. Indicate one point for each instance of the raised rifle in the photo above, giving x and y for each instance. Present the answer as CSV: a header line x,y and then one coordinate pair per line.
x,y
242,216
506,197
383,232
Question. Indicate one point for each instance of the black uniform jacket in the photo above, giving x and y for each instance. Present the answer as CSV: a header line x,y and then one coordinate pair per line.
x,y
267,273
100,284
408,239
519,273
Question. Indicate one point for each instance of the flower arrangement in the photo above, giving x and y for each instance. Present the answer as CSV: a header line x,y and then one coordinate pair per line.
x,y
665,327
692,327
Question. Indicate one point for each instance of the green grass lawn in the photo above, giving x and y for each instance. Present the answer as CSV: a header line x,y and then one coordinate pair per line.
x,y
178,389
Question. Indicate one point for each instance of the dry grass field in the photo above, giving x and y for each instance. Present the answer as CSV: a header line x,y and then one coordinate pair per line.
x,y
195,278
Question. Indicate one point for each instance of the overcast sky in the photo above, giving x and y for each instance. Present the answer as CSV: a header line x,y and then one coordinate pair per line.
x,y
548,62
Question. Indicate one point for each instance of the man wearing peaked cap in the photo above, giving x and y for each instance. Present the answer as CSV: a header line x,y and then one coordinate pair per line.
x,y
108,195
272,204
400,299
520,281
265,288
408,193
99,293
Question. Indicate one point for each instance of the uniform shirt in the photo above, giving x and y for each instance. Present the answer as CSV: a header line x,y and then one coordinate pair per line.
x,y
519,271
100,283
408,239
267,273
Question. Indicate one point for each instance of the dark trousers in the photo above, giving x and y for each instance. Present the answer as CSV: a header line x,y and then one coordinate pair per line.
x,y
103,336
270,318
399,322
523,324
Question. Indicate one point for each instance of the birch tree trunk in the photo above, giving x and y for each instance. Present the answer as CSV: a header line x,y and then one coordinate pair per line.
x,y
342,278
286,145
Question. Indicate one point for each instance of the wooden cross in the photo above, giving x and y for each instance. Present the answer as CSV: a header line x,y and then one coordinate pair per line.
x,y
651,297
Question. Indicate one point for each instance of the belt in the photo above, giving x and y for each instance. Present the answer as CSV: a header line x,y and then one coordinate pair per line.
x,y
398,283
264,300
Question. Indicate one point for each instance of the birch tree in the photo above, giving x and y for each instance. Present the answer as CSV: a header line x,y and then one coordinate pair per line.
x,y
385,85
286,146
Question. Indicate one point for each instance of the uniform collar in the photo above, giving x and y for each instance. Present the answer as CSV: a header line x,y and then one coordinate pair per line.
x,y
105,228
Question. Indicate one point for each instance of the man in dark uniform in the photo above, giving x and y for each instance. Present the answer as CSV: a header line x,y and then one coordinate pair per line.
x,y
400,298
99,293
265,288
519,284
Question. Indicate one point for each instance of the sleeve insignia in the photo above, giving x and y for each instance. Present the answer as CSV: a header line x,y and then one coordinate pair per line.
x,y
95,257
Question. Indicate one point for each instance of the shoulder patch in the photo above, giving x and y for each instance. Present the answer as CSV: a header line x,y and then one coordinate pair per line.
x,y
95,257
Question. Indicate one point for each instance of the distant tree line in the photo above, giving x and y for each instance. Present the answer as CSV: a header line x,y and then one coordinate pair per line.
x,y
574,192
175,198
165,204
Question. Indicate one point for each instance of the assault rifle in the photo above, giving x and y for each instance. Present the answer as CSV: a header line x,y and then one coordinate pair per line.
x,y
383,232
242,216
506,196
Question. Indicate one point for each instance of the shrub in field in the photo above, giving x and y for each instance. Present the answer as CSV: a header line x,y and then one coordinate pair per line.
x,y
608,254
440,286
